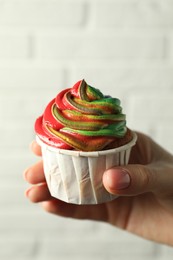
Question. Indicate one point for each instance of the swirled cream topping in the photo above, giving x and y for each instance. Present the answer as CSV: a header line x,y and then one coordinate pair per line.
x,y
81,118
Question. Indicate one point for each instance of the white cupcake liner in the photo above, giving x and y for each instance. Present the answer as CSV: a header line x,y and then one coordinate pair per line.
x,y
76,177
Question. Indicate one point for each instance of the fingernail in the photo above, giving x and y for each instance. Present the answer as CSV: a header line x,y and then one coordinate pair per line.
x,y
27,192
117,179
25,174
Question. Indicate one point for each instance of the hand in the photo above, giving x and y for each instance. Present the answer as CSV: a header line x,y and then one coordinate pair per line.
x,y
145,186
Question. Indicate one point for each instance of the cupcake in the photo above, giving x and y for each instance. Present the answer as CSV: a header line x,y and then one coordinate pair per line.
x,y
82,133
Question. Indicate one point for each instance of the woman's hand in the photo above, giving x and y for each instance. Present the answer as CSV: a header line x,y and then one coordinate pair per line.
x,y
145,188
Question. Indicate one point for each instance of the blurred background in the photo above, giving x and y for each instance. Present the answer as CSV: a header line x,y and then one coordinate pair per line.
x,y
122,47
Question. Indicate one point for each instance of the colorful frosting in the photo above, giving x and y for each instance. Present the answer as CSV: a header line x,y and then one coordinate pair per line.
x,y
81,118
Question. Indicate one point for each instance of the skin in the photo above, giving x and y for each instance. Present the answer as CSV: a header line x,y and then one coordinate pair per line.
x,y
145,186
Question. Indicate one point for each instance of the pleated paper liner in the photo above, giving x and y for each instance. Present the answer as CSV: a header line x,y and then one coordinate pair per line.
x,y
76,176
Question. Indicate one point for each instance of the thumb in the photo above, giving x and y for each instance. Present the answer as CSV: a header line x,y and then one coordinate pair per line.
x,y
129,180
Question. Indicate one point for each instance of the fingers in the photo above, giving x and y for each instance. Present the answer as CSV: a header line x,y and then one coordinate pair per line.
x,y
35,148
142,152
150,170
60,208
138,179
63,209
130,180
35,173
38,193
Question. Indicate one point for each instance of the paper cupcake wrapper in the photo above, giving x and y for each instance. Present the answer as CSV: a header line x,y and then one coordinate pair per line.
x,y
76,177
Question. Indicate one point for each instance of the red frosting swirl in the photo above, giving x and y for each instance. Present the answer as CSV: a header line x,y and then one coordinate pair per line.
x,y
81,118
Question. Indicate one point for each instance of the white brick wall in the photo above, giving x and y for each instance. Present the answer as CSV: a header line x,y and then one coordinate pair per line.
x,y
101,44
123,47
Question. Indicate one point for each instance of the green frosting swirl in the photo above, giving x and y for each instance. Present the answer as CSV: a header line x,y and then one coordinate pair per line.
x,y
84,119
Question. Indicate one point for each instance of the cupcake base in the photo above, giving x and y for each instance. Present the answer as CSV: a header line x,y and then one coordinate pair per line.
x,y
76,177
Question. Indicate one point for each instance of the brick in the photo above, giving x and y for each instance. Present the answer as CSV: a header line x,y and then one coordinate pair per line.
x,y
96,246
23,99
41,245
152,114
44,239
134,13
119,46
148,106
100,45
37,13
17,138
34,218
23,161
75,257
15,197
170,46
25,105
95,257
13,46
122,78
31,75
21,247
